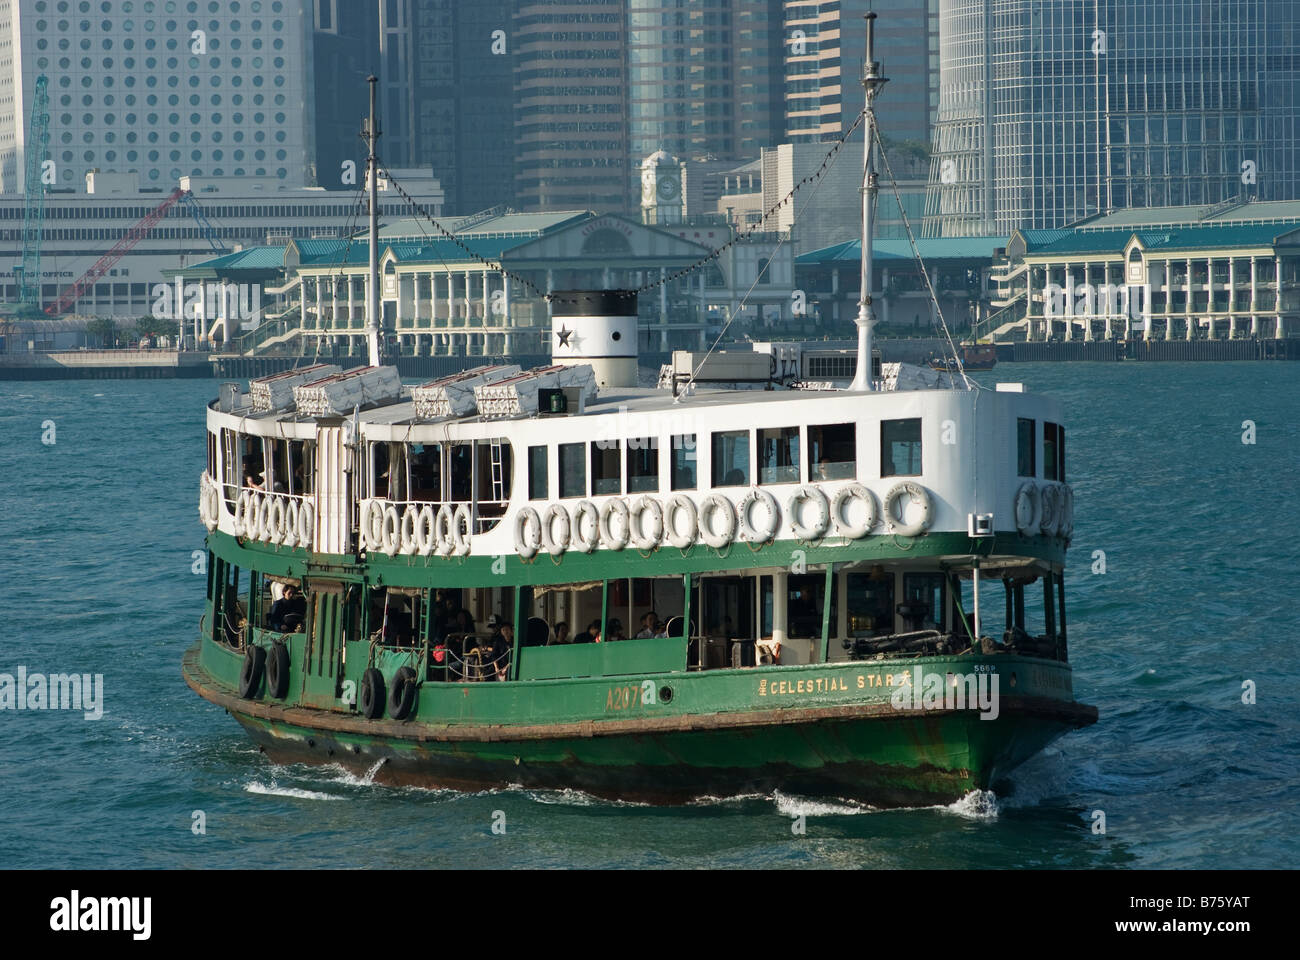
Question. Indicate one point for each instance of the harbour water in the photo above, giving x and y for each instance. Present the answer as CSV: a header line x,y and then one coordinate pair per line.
x,y
1201,540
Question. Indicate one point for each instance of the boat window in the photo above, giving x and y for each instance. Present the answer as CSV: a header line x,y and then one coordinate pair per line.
x,y
492,477
390,470
460,470
1053,452
605,466
426,471
643,465
1025,463
278,479
230,464
1056,470
537,480
731,458
806,606
833,452
900,448
212,455
778,455
251,465
573,470
871,604
379,468
684,462
922,607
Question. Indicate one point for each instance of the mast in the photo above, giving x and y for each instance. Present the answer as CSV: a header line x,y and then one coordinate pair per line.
x,y
872,81
372,174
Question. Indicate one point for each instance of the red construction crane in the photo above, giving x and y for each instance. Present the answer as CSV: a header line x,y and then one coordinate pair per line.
x,y
72,294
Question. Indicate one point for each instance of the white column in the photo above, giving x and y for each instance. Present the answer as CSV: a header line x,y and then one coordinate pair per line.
x,y
1232,298
780,603
320,302
451,298
505,296
467,288
1254,298
1277,302
663,307
487,306
1069,301
351,307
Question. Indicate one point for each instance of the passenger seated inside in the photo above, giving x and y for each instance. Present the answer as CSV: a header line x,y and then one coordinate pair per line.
x,y
502,645
536,633
561,635
592,635
289,612
649,626
614,630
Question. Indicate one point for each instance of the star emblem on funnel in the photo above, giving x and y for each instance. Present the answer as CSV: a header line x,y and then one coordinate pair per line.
x,y
567,337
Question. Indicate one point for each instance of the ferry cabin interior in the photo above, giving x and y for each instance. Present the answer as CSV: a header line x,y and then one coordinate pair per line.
x,y
793,614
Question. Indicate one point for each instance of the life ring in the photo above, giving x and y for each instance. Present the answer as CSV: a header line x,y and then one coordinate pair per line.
x,y
550,542
747,529
527,519
823,521
250,674
241,512
586,510
203,499
1027,500
680,503
410,518
462,529
615,505
636,523
277,670
915,494
267,517
401,696
262,505
275,520
426,531
253,518
372,694
1049,515
306,524
442,531
372,526
717,539
854,491
392,530
214,506
1065,528
290,535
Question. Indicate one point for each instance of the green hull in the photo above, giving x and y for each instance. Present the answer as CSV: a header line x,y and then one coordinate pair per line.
x,y
819,730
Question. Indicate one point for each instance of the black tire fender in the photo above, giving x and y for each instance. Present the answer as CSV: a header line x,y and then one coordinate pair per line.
x,y
401,696
250,675
372,694
277,670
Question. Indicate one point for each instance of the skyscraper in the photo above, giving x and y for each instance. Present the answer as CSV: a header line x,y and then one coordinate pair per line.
x,y
571,137
823,67
158,89
1056,110
704,77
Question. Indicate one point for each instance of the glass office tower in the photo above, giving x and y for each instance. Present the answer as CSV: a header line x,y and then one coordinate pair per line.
x,y
1051,111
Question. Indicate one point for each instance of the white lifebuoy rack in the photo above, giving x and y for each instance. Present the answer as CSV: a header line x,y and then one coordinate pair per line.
x,y
841,500
748,530
586,516
915,493
822,522
615,541
680,505
716,504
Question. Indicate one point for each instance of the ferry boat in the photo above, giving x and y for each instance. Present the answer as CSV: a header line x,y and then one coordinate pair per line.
x,y
554,578
974,356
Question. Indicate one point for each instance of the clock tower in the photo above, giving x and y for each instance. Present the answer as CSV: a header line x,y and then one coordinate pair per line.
x,y
661,189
